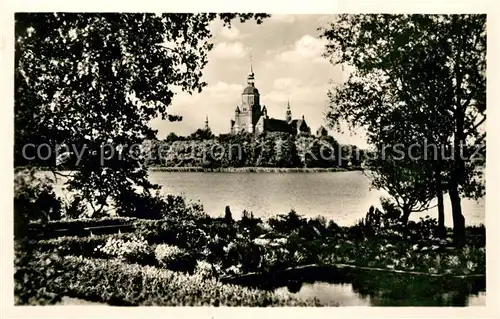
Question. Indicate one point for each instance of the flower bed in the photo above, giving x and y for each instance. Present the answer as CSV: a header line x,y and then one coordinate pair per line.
x,y
233,250
113,282
201,250
76,245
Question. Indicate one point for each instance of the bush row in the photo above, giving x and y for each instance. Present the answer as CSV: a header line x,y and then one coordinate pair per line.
x,y
230,243
118,283
77,224
78,246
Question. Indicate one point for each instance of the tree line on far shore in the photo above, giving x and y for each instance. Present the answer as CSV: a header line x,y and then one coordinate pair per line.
x,y
272,149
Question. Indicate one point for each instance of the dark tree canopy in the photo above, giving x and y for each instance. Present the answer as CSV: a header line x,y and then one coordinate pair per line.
x,y
416,78
99,78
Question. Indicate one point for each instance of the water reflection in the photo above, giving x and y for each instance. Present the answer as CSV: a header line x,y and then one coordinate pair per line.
x,y
361,288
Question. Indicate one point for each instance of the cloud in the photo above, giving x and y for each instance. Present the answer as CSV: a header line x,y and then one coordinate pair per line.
x,y
229,50
285,83
214,93
230,33
282,18
296,91
217,100
225,32
307,47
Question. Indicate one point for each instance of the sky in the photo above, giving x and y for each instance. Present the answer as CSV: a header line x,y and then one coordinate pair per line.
x,y
287,62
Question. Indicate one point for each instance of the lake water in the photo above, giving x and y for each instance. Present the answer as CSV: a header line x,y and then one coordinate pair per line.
x,y
347,295
344,197
351,287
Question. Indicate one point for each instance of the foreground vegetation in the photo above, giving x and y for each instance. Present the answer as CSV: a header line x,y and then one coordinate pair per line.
x,y
185,257
115,282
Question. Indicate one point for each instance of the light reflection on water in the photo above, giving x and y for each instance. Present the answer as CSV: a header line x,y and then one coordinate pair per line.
x,y
344,295
344,197
352,287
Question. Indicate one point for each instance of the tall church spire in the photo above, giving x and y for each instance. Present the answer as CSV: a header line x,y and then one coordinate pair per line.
x,y
251,67
251,78
206,123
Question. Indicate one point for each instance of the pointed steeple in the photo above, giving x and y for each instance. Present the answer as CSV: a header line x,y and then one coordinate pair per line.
x,y
251,67
251,78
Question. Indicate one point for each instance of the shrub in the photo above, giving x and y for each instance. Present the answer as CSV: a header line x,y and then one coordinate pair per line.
x,y
243,252
74,227
81,223
31,280
130,284
78,246
75,207
133,249
175,258
205,270
182,233
286,223
73,245
34,199
251,223
156,206
275,259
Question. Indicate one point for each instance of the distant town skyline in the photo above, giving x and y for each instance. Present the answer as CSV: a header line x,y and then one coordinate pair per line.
x,y
286,59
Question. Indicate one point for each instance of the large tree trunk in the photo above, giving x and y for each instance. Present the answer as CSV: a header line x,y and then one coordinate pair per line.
x,y
458,170
457,178
440,203
440,206
406,215
458,218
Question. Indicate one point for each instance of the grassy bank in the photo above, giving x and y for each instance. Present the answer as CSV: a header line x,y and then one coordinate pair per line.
x,y
117,283
251,169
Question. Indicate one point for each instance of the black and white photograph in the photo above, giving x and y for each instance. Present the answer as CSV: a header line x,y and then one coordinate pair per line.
x,y
233,159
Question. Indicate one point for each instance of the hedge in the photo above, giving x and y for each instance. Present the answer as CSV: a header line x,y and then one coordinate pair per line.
x,y
76,227
75,245
118,283
83,222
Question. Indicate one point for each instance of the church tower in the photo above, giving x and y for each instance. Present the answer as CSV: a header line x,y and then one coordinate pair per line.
x,y
250,111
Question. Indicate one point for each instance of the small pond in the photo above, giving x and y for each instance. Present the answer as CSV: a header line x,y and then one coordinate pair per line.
x,y
348,287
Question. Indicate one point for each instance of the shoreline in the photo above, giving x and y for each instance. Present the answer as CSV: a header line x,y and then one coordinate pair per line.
x,y
196,169
246,169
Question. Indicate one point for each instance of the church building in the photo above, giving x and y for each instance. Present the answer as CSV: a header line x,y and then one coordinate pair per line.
x,y
252,117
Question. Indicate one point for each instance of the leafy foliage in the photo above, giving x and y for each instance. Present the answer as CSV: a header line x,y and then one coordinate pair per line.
x,y
34,200
156,206
95,80
133,249
113,282
273,149
173,257
415,80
